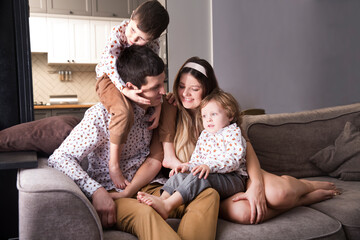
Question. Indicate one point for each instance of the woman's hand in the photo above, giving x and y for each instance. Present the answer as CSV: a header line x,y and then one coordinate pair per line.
x,y
170,97
203,169
255,194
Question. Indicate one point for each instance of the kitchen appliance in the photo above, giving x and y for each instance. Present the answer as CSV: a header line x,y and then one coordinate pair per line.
x,y
63,99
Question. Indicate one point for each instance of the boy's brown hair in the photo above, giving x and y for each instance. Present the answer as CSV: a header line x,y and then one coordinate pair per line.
x,y
228,102
152,18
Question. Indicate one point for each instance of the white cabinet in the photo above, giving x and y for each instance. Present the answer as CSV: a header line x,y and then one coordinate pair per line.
x,y
76,7
68,40
38,6
99,31
38,34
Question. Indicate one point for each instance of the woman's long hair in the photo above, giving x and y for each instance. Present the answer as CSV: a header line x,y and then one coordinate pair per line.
x,y
188,126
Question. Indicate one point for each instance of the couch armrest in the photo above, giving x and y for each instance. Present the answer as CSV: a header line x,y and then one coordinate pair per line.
x,y
51,206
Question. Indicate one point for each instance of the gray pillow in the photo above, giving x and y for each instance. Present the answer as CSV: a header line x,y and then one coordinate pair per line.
x,y
341,160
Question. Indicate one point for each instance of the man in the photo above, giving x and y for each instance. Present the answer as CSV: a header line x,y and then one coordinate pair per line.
x,y
141,69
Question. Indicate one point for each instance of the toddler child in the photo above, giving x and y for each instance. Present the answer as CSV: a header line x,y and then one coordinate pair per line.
x,y
145,26
218,160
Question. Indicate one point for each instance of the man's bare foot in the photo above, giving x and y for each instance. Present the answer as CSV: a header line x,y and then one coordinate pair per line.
x,y
320,184
318,196
156,203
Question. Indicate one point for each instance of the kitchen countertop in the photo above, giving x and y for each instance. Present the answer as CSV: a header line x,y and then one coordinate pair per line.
x,y
63,106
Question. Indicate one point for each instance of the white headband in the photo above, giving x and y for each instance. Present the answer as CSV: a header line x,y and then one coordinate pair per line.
x,y
196,66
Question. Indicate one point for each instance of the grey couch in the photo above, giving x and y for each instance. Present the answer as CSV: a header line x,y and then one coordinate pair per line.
x,y
51,206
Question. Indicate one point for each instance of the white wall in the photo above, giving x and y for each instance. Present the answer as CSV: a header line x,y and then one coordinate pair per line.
x,y
287,55
189,33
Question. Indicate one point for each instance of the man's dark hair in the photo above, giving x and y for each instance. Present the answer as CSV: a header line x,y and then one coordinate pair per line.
x,y
152,18
137,62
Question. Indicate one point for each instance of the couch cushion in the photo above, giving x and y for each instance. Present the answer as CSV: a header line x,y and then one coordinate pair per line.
x,y
341,159
344,207
283,142
298,223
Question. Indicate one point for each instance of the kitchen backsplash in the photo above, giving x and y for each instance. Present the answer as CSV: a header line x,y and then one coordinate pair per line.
x,y
46,80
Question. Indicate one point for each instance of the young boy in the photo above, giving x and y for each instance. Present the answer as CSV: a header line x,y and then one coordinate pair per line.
x,y
218,160
145,26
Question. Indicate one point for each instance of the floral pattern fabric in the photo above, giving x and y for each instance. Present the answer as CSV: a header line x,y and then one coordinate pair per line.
x,y
90,139
223,151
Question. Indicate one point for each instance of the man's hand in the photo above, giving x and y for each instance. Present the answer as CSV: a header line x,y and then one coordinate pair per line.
x,y
133,94
203,169
105,207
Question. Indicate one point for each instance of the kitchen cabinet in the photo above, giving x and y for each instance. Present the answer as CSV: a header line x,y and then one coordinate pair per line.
x,y
99,33
44,113
99,8
38,34
40,114
38,6
68,40
71,7
112,8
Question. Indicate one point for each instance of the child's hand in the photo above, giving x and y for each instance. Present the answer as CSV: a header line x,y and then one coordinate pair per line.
x,y
117,177
184,167
155,117
203,169
117,195
170,97
133,94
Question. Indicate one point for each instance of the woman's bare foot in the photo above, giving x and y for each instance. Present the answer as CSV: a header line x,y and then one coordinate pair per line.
x,y
158,204
316,185
318,196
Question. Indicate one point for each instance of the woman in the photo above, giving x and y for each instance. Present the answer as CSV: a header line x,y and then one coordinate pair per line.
x,y
267,195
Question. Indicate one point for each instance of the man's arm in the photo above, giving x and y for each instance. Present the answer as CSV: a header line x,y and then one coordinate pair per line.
x,y
83,139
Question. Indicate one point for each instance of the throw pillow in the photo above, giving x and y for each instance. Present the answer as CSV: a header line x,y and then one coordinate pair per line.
x,y
44,135
342,159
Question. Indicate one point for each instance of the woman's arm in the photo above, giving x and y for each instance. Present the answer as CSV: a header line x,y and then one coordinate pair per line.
x,y
255,191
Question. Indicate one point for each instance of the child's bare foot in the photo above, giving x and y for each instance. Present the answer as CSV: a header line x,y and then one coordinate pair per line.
x,y
320,184
155,202
117,177
170,162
